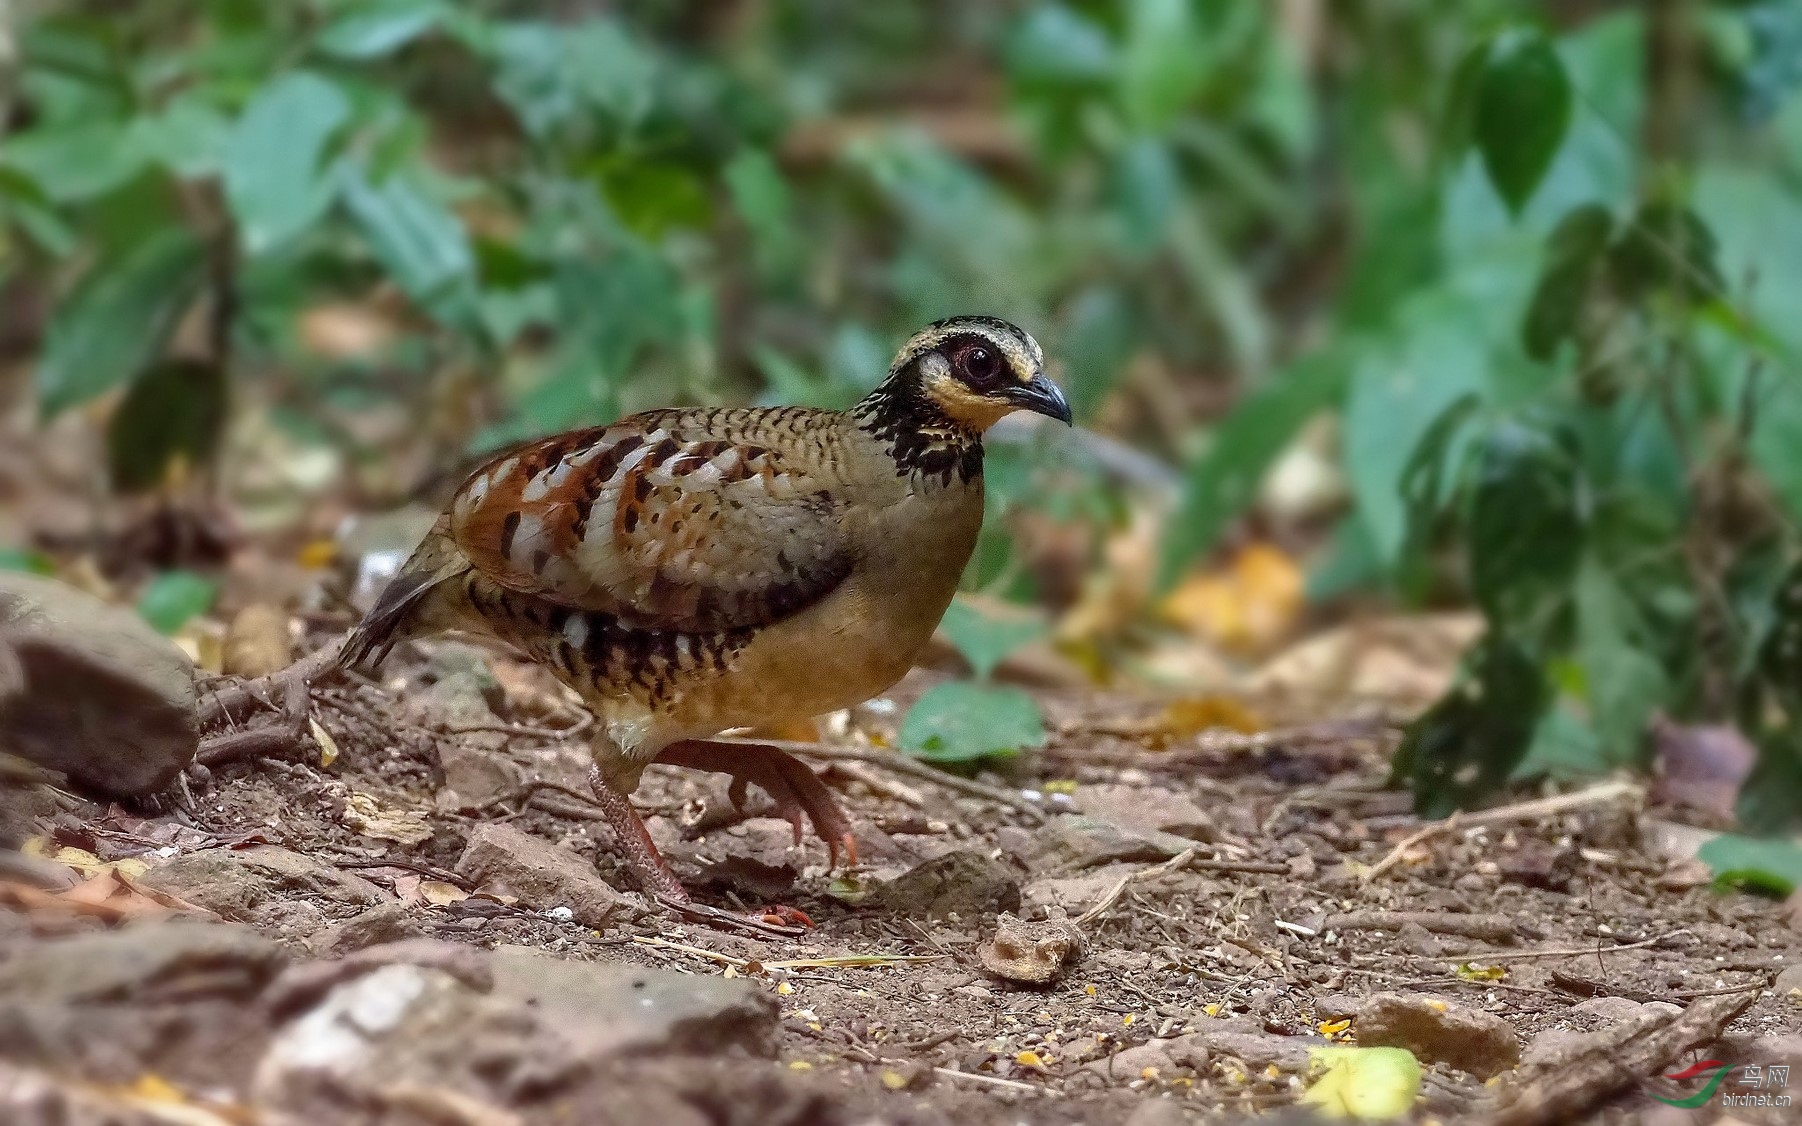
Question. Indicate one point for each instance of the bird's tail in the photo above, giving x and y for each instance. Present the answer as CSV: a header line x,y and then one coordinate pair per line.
x,y
436,561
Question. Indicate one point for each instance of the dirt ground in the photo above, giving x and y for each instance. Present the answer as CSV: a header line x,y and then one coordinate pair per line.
x,y
1267,906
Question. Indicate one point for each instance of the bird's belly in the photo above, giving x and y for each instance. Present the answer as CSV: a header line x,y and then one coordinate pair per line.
x,y
839,653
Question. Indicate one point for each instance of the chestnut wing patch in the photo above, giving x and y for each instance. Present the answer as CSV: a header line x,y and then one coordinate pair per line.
x,y
665,531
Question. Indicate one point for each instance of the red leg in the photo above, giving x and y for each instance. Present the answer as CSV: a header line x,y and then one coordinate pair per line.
x,y
795,787
654,875
647,864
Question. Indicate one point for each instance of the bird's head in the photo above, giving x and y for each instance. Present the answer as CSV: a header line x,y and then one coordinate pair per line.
x,y
975,371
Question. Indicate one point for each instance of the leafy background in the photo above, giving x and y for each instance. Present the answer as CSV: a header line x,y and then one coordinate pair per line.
x,y
1531,269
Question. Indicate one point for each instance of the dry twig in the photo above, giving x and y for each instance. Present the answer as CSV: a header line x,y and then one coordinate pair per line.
x,y
1576,1087
1507,814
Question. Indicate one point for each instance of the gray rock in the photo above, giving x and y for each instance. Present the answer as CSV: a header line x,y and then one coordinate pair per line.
x,y
1132,1063
147,962
966,883
1610,1010
612,1009
1788,985
1072,842
1163,810
403,1032
1157,1112
175,999
387,922
1438,1031
478,774
258,884
105,699
1248,1043
509,861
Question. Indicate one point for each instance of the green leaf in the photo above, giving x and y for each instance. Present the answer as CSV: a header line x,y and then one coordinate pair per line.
x,y
25,559
1667,247
1575,251
175,412
75,162
1522,112
1625,681
1768,865
1226,478
1160,69
1527,521
174,598
1770,800
1431,471
116,322
422,244
277,180
762,199
1099,336
188,137
1467,745
553,76
373,34
653,198
1438,356
1458,119
985,639
962,722
1055,46
1377,1083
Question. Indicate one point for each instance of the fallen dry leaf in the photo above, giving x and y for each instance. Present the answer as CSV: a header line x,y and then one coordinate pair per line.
x,y
363,814
110,895
1247,607
257,643
438,893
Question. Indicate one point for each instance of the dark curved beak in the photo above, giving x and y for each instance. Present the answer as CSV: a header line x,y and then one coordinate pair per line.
x,y
1041,396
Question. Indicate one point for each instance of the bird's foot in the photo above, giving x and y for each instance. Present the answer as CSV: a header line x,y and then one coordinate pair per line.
x,y
654,875
794,787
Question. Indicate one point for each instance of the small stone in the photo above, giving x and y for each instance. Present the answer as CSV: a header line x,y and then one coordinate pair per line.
x,y
1539,866
302,986
260,884
1156,1112
1071,843
1438,1031
1789,984
1244,1041
1416,939
1131,1063
509,861
476,773
1163,810
1610,1010
105,699
1035,953
966,883
388,922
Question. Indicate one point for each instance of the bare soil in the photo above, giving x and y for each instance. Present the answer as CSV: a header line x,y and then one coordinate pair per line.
x,y
1195,994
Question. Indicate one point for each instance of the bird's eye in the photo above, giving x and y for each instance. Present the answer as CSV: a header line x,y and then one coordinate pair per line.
x,y
979,364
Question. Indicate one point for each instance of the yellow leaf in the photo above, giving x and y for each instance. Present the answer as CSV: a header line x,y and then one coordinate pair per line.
x,y
1470,971
1030,1058
328,747
1247,607
799,1065
317,554
1363,1082
1331,1028
438,893
894,1080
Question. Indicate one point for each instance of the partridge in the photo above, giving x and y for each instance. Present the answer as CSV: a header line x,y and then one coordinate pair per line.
x,y
688,571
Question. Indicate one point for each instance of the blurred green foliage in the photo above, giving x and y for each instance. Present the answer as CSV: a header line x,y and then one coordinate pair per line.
x,y
1543,262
